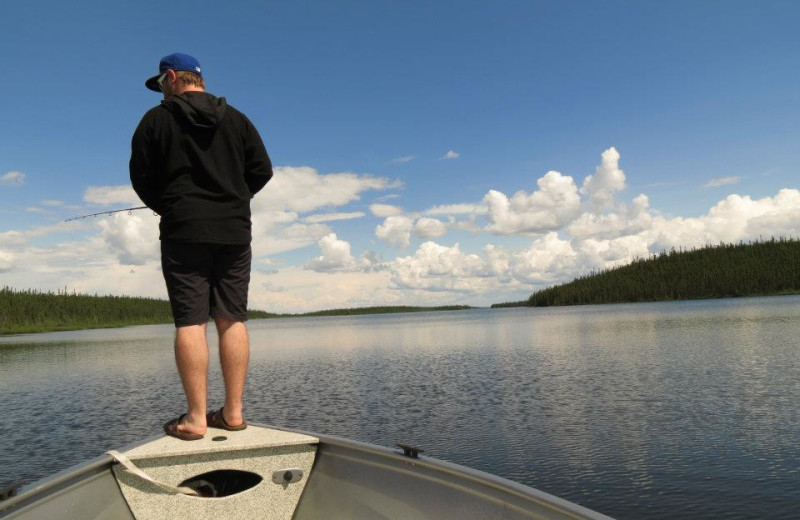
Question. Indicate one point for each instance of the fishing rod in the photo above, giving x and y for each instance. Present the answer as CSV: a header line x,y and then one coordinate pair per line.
x,y
129,210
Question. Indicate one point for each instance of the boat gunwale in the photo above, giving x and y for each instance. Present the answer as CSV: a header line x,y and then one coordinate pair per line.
x,y
453,469
63,478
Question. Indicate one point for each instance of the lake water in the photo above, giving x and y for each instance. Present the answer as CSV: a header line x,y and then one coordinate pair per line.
x,y
658,410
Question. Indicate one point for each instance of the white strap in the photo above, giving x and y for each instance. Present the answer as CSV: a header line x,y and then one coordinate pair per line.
x,y
128,465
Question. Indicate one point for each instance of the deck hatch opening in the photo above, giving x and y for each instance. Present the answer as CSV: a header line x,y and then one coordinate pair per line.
x,y
222,482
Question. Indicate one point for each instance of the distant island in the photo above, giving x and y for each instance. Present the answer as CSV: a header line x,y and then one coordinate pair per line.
x,y
35,311
760,268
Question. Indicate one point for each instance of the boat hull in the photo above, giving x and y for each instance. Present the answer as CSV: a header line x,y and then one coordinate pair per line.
x,y
349,480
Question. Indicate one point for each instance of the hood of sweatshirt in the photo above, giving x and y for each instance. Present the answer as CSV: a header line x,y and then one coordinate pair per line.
x,y
200,109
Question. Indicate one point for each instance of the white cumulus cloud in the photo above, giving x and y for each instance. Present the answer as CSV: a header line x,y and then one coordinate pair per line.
x,y
451,155
395,231
552,206
434,267
133,239
780,217
607,179
601,254
547,259
336,257
738,217
625,221
429,228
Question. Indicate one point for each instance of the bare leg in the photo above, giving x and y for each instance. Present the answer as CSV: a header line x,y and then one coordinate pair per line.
x,y
234,355
191,356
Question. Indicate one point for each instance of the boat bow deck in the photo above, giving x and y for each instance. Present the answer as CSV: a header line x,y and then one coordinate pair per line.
x,y
255,450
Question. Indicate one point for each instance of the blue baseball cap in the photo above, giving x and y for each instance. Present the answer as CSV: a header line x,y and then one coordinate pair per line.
x,y
176,62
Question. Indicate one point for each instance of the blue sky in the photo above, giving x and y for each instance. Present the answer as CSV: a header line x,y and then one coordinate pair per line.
x,y
379,114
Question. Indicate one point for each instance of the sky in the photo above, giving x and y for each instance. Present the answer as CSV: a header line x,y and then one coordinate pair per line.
x,y
425,152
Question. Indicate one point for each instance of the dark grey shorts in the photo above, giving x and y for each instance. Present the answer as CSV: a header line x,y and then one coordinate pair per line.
x,y
206,280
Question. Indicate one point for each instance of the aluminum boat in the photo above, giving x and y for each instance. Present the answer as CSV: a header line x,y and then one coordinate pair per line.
x,y
269,473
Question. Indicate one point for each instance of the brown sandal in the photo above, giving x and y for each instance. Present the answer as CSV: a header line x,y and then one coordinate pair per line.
x,y
171,429
215,419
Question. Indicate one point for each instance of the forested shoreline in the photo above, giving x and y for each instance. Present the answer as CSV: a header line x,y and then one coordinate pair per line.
x,y
27,311
764,267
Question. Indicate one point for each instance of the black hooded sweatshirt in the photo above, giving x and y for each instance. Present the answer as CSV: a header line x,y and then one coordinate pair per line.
x,y
197,162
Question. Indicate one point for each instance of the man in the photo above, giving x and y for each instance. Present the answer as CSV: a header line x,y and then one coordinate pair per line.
x,y
197,162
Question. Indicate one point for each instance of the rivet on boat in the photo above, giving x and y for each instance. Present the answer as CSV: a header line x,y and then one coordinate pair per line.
x,y
287,476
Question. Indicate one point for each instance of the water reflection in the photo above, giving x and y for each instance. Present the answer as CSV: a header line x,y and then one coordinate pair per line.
x,y
639,411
